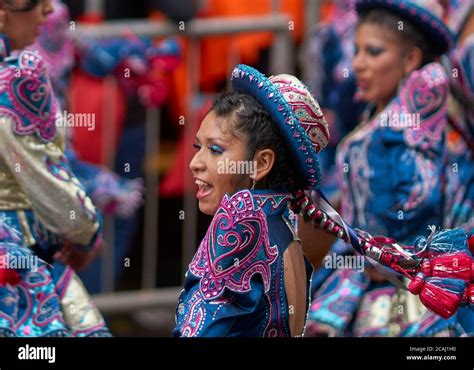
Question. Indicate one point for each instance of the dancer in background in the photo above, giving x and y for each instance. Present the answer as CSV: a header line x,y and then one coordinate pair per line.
x,y
459,66
45,213
112,194
331,80
149,64
391,168
249,276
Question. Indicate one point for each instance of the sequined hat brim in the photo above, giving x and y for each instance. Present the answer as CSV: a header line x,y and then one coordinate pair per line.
x,y
248,80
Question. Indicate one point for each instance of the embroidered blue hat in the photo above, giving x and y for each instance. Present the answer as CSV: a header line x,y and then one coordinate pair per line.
x,y
295,111
427,15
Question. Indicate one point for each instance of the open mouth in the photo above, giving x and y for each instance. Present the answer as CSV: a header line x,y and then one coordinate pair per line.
x,y
362,84
204,189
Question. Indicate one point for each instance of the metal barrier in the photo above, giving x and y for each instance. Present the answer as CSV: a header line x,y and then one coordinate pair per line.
x,y
94,6
281,61
197,29
123,302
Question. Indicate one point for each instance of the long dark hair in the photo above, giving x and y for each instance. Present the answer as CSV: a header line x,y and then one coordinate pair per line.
x,y
249,120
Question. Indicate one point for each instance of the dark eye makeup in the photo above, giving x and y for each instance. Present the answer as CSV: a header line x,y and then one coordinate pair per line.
x,y
27,6
371,50
375,50
215,149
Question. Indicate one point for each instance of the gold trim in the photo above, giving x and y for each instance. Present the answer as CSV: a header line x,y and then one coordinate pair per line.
x,y
29,239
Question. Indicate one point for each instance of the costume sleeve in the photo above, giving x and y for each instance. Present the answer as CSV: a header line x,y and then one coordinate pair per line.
x,y
228,278
33,153
225,316
408,193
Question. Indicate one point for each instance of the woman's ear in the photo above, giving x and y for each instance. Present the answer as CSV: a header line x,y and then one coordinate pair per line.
x,y
263,163
412,60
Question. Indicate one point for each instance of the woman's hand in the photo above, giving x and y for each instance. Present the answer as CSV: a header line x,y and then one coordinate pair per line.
x,y
77,258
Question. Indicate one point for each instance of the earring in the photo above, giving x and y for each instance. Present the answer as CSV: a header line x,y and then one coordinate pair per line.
x,y
253,184
401,83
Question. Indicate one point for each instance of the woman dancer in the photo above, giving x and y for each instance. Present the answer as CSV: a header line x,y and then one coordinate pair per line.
x,y
44,211
391,167
249,276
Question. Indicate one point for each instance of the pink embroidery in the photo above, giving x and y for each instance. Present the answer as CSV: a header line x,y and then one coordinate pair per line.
x,y
235,248
48,311
60,170
195,317
30,100
425,94
40,277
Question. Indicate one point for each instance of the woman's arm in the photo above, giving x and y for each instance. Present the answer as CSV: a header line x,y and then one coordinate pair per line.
x,y
30,149
55,194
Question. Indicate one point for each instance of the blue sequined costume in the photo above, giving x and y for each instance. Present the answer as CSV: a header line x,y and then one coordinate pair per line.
x,y
42,205
235,283
391,182
332,82
460,168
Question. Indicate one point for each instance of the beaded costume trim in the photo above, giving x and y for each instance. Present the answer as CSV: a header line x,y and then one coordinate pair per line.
x,y
27,97
235,248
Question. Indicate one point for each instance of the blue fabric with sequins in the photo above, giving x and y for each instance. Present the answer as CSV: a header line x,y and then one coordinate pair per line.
x,y
235,283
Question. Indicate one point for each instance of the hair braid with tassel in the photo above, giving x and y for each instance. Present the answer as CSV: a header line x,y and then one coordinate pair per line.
x,y
440,268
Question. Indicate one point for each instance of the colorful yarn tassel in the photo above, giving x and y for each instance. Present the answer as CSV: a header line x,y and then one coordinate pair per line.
x,y
442,296
450,265
468,297
471,242
442,241
440,267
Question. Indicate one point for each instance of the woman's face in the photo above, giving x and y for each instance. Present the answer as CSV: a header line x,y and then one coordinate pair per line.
x,y
217,149
23,27
378,63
